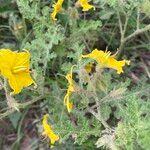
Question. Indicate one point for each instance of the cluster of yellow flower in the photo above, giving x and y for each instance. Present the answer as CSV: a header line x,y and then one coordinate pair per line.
x,y
57,7
48,132
104,60
14,66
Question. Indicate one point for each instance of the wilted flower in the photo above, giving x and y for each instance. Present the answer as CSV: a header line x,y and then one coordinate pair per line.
x,y
106,60
69,91
85,4
57,7
48,132
14,66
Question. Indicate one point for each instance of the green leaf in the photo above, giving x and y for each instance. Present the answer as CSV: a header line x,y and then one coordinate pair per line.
x,y
14,118
106,14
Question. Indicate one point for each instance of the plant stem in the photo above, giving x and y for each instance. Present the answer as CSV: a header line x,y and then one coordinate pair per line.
x,y
138,19
20,106
137,32
11,102
99,117
123,30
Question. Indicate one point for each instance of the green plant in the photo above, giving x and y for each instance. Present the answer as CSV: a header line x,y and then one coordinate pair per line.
x,y
109,110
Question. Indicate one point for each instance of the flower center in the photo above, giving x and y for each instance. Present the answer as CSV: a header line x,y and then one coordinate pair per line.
x,y
19,69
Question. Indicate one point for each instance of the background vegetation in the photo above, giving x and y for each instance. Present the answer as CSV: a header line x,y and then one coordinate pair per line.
x,y
116,114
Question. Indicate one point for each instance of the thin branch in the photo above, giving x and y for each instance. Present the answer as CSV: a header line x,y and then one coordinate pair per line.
x,y
11,102
137,32
108,98
99,113
98,117
123,31
86,44
120,24
125,25
138,19
23,105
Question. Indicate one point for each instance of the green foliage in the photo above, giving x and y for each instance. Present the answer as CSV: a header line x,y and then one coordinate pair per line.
x,y
134,126
110,111
145,7
14,118
29,9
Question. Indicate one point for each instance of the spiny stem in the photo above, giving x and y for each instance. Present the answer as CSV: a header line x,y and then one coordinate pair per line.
x,y
10,100
20,106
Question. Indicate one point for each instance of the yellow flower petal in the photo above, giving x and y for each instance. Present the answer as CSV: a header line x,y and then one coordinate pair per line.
x,y
48,132
67,102
70,89
106,60
57,7
85,4
14,66
117,65
22,80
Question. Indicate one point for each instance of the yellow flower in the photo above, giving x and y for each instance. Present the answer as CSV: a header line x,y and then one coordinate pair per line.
x,y
14,66
85,4
70,89
88,68
57,8
105,59
48,132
